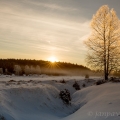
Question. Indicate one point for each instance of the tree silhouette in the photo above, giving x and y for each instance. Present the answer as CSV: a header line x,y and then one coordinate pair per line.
x,y
104,41
41,67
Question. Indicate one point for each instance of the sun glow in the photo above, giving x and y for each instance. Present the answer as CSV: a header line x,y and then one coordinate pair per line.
x,y
52,59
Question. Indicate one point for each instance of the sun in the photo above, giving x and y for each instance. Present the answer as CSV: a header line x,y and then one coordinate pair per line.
x,y
52,59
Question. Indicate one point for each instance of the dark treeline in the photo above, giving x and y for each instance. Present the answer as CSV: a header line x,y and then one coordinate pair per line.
x,y
46,67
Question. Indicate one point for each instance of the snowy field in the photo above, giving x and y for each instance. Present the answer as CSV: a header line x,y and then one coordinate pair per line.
x,y
37,98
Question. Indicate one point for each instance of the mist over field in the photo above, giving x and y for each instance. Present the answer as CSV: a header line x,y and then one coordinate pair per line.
x,y
21,67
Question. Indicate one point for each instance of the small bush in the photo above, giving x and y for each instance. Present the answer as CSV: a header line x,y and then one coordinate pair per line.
x,y
84,85
99,82
11,81
114,79
18,83
30,81
65,96
2,117
76,86
63,81
87,76
54,80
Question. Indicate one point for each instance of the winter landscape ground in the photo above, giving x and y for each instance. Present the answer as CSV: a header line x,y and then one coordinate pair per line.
x,y
44,45
37,98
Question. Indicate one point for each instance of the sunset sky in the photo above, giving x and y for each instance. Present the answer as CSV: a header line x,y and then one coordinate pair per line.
x,y
40,29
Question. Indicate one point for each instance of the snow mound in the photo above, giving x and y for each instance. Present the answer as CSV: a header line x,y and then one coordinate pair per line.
x,y
24,103
33,99
97,103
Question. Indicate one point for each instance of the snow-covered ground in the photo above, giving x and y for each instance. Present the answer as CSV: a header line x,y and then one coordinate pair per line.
x,y
42,77
37,98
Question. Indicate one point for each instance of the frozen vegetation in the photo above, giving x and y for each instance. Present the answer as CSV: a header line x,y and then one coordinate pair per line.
x,y
37,98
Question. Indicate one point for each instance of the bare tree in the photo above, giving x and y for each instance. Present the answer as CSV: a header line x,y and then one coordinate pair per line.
x,y
104,41
27,70
38,70
17,69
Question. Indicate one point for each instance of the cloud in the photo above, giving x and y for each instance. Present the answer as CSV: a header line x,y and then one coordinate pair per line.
x,y
35,34
32,29
53,6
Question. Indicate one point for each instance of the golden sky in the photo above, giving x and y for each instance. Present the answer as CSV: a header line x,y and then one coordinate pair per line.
x,y
40,29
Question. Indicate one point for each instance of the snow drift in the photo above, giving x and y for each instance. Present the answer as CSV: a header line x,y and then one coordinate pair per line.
x,y
25,103
100,103
39,100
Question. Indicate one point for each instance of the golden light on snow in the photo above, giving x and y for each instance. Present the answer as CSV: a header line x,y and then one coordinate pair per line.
x,y
53,59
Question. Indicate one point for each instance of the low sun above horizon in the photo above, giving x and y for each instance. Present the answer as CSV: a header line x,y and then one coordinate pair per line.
x,y
52,59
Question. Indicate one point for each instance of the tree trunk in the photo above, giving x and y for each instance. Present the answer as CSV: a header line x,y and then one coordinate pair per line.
x,y
106,76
